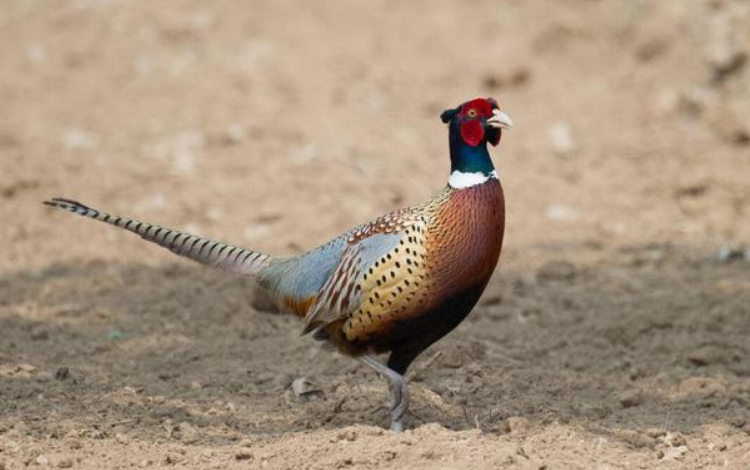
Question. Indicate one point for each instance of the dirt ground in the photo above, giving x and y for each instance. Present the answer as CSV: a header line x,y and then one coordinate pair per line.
x,y
614,334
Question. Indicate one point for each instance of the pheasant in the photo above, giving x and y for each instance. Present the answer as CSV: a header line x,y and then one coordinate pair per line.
x,y
397,284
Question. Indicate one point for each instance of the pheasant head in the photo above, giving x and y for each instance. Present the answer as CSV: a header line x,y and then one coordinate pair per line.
x,y
471,126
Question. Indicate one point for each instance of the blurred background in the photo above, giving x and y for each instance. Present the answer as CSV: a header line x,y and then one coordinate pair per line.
x,y
276,125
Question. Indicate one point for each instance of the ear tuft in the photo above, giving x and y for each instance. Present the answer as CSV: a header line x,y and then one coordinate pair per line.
x,y
448,115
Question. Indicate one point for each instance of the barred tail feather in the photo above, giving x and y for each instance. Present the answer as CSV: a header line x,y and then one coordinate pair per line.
x,y
205,251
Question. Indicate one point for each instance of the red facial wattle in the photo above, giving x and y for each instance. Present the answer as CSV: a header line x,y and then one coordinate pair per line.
x,y
471,115
472,132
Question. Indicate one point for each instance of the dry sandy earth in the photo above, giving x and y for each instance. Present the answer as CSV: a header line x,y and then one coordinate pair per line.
x,y
613,336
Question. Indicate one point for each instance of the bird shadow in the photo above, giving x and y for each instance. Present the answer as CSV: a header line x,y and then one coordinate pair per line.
x,y
641,338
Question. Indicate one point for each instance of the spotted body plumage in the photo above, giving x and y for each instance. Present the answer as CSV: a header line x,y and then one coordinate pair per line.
x,y
397,284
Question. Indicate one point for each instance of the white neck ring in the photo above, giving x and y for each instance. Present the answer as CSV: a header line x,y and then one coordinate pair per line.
x,y
461,180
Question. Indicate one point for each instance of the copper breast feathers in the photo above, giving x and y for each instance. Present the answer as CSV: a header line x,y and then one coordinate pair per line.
x,y
406,262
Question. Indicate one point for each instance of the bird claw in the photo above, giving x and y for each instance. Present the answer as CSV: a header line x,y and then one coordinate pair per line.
x,y
398,392
398,402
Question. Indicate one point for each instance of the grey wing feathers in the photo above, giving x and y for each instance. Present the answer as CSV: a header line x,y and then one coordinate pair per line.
x,y
205,251
341,295
302,277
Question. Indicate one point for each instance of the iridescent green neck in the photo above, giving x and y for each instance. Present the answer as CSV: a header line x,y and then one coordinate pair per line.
x,y
468,159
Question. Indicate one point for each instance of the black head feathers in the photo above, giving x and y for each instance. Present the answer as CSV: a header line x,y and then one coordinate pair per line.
x,y
448,114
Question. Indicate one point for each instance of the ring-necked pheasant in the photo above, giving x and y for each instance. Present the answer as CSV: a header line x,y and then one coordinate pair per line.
x,y
396,284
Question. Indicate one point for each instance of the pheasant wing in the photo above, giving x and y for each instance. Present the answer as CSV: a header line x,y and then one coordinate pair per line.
x,y
366,265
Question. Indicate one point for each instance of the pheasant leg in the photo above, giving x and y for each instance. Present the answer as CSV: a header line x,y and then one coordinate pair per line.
x,y
398,393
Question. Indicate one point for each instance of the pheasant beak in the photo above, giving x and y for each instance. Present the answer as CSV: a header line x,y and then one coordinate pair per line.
x,y
500,120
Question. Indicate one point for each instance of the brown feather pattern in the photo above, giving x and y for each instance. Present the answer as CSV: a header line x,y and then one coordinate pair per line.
x,y
448,245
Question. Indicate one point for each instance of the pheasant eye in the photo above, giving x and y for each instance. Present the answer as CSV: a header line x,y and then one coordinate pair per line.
x,y
472,113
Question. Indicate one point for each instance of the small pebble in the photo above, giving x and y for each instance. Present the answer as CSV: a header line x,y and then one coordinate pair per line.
x,y
186,149
729,253
674,439
561,213
187,433
557,270
39,334
304,388
62,373
243,455
27,368
78,139
674,453
45,376
36,54
172,458
64,462
707,355
631,398
234,134
560,136
655,432
347,435
306,154
115,335
246,443
694,101
158,400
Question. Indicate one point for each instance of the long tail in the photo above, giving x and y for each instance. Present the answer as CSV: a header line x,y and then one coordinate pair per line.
x,y
205,251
